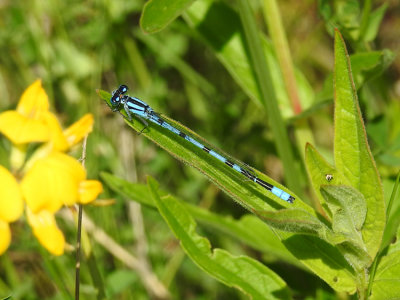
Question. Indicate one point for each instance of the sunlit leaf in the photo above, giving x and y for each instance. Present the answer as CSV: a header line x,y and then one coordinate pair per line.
x,y
353,157
241,272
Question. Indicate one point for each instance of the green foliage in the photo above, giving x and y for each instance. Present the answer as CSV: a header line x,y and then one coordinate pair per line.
x,y
213,66
385,285
157,14
244,273
354,234
352,154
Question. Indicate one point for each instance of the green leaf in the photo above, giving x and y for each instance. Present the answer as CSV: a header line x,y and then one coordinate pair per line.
x,y
260,237
386,282
365,66
374,21
348,209
357,257
353,157
135,191
392,212
157,14
294,220
326,261
318,169
301,222
228,45
241,272
323,259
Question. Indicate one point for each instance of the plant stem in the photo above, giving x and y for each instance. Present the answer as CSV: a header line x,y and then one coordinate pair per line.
x,y
268,96
79,231
277,33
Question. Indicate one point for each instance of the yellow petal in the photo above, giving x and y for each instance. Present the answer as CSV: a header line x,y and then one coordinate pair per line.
x,y
51,182
33,101
5,236
89,190
11,203
57,137
20,129
76,132
45,229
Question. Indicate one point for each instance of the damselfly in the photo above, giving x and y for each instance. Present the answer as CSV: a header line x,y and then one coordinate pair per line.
x,y
135,106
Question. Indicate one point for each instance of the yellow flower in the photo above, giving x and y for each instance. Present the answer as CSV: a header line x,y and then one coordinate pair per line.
x,y
77,131
5,236
52,182
49,178
11,206
29,122
11,203
45,229
33,122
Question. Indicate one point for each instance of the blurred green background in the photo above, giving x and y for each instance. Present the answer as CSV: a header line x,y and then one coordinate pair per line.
x,y
76,47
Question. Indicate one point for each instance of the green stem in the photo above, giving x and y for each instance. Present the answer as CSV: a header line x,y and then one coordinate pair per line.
x,y
362,284
268,96
277,33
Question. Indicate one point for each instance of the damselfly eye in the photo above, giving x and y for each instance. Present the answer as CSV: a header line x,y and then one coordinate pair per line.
x,y
123,89
115,100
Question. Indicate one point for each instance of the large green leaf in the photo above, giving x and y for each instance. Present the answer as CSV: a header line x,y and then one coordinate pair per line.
x,y
157,14
386,282
324,259
241,272
353,157
260,237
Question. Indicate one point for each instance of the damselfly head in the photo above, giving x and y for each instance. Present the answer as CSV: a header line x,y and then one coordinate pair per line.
x,y
116,97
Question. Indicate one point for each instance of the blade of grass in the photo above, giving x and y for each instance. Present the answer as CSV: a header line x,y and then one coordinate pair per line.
x,y
268,96
277,34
